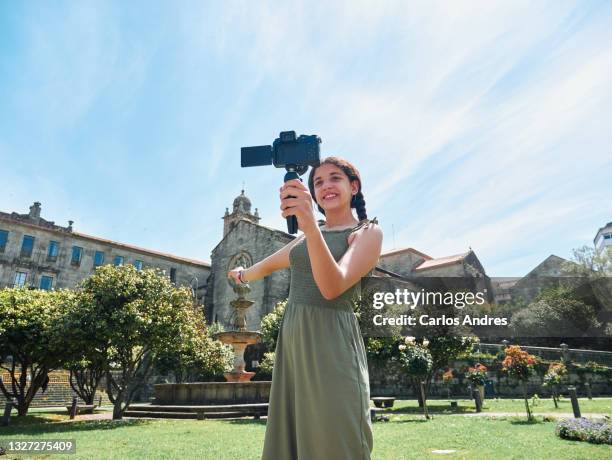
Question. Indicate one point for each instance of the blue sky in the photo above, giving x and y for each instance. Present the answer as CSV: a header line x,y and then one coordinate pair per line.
x,y
482,124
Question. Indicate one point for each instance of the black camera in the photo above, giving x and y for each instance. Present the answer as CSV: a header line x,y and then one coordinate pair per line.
x,y
293,153
286,150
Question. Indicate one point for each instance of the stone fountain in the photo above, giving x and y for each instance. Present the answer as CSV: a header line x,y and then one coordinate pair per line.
x,y
239,338
238,389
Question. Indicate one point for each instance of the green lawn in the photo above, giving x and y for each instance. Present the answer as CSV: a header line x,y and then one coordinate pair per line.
x,y
544,405
407,435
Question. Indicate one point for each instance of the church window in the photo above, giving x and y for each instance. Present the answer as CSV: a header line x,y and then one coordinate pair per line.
x,y
118,261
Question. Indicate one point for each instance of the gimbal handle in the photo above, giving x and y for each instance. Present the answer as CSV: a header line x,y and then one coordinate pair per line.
x,y
292,224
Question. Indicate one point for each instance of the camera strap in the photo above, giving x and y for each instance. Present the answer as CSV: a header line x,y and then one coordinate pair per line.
x,y
365,223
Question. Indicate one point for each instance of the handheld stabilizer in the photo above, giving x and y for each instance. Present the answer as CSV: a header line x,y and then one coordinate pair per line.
x,y
287,151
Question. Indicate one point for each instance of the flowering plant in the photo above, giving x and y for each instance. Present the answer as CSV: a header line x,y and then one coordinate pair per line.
x,y
477,374
553,377
518,363
583,429
555,373
447,376
415,358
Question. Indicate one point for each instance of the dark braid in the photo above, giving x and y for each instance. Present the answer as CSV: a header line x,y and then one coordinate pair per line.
x,y
357,201
359,204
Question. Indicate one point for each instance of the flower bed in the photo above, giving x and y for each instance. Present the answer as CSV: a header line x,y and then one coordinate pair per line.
x,y
583,429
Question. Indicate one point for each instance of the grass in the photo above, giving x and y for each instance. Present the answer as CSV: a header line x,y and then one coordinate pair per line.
x,y
407,435
544,405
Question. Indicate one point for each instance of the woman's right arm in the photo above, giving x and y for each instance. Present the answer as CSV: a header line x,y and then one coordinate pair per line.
x,y
263,268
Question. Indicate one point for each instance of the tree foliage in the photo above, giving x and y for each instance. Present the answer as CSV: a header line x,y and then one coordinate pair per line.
x,y
136,318
31,344
415,359
199,357
520,364
271,323
555,312
589,262
557,371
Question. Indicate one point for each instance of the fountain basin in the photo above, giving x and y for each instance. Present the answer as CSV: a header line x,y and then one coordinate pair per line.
x,y
238,337
204,393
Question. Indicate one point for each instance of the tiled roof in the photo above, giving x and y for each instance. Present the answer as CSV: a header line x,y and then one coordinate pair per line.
x,y
414,251
139,249
62,230
442,261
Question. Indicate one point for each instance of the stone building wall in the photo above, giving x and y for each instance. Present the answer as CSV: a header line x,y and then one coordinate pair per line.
x,y
66,274
401,262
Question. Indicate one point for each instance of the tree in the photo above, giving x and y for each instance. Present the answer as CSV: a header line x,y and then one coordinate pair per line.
x,y
446,340
138,316
199,357
589,262
520,364
85,347
85,377
416,360
444,349
553,378
267,364
555,312
29,341
381,343
595,266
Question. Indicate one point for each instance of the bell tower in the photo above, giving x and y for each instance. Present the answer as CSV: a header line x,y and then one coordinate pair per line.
x,y
241,211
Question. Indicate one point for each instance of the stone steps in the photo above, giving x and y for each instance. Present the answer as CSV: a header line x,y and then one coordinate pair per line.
x,y
162,414
197,412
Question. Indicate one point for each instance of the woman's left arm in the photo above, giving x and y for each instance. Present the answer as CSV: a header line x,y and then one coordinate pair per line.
x,y
333,278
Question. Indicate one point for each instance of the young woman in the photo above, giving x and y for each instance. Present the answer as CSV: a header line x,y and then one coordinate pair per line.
x,y
319,399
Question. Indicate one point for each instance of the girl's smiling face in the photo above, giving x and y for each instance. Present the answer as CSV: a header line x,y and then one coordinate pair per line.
x,y
332,187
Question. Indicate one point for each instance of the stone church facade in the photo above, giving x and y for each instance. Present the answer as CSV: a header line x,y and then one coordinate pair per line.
x,y
244,243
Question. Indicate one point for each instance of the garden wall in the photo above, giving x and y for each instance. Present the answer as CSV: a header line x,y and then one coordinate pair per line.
x,y
387,380
59,392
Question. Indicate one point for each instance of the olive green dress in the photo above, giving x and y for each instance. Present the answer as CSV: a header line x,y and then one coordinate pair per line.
x,y
319,399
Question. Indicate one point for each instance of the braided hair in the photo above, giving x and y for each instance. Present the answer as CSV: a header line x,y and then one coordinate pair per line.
x,y
357,201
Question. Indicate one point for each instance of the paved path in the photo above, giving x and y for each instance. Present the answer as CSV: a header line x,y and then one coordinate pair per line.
x,y
95,416
557,415
536,414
